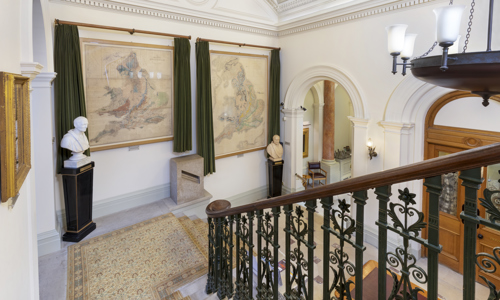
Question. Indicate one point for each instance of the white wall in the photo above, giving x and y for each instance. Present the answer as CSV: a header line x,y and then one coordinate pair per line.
x,y
309,117
343,126
18,252
119,171
458,114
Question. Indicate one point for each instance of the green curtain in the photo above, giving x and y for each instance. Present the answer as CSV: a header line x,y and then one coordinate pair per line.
x,y
205,124
274,95
182,95
69,94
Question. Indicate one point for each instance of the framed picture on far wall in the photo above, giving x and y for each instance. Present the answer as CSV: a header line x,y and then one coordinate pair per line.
x,y
128,93
239,102
305,142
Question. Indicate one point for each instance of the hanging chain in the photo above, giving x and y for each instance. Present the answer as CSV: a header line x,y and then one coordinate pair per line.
x,y
470,24
428,51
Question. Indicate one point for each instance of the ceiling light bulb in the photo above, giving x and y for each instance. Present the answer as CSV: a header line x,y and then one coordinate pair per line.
x,y
369,143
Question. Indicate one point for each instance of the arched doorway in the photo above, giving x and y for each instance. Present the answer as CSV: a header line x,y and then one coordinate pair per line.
x,y
294,117
451,128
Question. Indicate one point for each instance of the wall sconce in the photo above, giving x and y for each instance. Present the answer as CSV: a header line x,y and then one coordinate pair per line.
x,y
371,149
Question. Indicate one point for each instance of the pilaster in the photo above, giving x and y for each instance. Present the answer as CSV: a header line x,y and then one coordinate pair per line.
x,y
292,152
359,152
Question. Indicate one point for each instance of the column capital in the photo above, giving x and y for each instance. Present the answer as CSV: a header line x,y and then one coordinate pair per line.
x,y
293,112
396,127
358,122
43,80
31,69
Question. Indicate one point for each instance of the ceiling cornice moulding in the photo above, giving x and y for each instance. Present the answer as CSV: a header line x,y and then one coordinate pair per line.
x,y
311,23
336,17
287,5
134,9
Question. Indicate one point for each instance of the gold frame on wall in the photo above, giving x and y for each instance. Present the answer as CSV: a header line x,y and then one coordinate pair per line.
x,y
15,137
266,116
305,142
131,142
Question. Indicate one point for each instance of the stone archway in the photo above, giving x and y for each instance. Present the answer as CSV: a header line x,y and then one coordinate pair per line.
x,y
294,98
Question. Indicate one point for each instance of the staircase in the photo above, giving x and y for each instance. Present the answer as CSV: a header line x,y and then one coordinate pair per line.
x,y
322,255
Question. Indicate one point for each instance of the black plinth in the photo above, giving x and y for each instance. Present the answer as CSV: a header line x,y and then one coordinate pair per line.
x,y
275,171
78,190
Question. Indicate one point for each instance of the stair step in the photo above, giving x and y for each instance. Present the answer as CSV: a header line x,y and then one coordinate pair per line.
x,y
200,240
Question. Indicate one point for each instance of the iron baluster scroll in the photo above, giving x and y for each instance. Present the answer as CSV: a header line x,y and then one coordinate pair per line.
x,y
402,289
489,263
226,263
343,228
212,262
244,261
297,228
268,255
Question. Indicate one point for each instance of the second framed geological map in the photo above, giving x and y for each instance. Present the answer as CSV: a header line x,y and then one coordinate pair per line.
x,y
239,102
129,93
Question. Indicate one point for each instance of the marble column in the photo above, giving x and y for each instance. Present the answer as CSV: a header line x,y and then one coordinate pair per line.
x,y
329,121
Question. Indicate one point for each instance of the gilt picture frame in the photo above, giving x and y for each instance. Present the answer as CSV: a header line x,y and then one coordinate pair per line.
x,y
129,93
305,142
15,136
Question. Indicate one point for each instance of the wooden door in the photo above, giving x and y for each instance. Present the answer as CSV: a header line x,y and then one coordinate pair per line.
x,y
450,207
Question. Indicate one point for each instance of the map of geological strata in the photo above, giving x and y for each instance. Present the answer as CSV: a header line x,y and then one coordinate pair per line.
x,y
239,101
128,93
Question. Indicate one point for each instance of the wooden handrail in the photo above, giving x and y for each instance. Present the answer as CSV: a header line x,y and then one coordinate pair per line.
x,y
465,160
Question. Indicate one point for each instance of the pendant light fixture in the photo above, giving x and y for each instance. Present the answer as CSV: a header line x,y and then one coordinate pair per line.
x,y
478,72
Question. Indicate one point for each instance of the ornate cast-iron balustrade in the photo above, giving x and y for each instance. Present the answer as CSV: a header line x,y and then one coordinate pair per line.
x,y
231,232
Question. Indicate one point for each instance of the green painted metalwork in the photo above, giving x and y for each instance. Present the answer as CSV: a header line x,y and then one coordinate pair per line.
x,y
488,262
402,288
327,207
311,210
383,196
471,179
211,288
267,255
360,198
226,262
343,228
298,228
434,188
244,275
288,209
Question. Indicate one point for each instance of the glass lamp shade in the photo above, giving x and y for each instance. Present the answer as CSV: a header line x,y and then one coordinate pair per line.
x,y
369,143
448,22
396,37
409,45
454,49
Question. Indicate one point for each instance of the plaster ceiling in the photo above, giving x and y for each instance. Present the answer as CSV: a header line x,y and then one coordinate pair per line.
x,y
260,16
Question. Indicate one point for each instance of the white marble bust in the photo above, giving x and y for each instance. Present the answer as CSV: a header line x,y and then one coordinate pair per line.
x,y
274,149
76,141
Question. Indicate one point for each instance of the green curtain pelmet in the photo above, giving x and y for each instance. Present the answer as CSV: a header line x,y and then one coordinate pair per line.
x,y
274,95
204,125
182,96
68,93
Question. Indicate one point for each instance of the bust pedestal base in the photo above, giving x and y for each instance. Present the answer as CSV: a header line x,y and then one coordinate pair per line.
x,y
73,164
275,171
78,193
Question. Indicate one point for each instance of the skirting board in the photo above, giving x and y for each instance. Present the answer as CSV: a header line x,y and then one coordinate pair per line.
x,y
123,202
48,242
248,196
371,237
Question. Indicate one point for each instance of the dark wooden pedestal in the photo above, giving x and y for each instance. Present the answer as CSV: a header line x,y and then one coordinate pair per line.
x,y
78,190
275,170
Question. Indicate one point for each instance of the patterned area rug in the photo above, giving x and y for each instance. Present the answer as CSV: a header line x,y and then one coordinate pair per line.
x,y
148,260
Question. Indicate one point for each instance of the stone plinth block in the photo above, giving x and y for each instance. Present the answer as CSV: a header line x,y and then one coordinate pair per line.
x,y
186,178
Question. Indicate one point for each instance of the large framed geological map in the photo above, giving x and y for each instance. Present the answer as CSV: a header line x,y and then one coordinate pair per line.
x,y
239,102
129,93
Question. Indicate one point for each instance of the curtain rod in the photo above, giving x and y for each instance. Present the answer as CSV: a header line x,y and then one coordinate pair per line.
x,y
131,31
237,44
